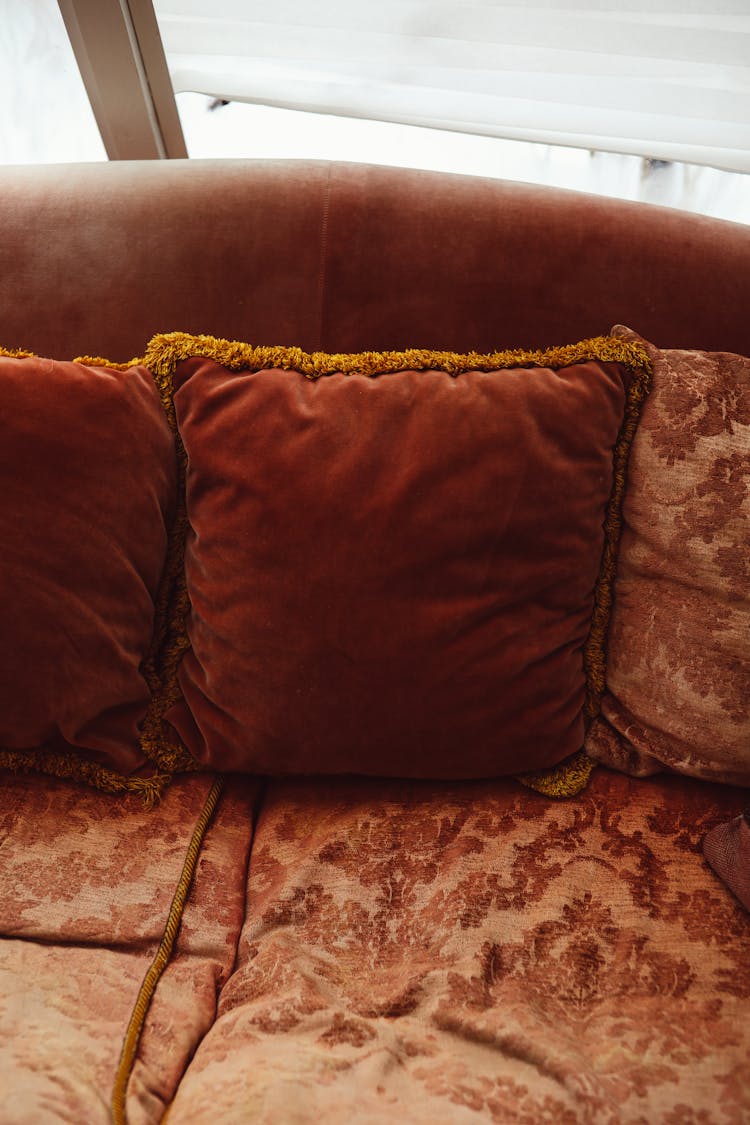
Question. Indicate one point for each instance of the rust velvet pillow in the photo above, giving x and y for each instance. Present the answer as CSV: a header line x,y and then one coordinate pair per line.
x,y
678,678
88,470
394,560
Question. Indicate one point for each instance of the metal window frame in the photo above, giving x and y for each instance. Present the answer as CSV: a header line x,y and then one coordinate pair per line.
x,y
119,52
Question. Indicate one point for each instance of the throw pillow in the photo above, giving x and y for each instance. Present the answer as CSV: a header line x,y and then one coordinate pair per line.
x,y
397,563
727,849
678,678
88,468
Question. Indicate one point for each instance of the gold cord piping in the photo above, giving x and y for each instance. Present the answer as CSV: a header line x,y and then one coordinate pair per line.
x,y
162,958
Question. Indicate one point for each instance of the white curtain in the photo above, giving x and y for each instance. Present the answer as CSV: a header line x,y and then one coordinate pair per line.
x,y
666,79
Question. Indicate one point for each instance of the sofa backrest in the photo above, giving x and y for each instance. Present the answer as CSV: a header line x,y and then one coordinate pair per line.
x,y
342,257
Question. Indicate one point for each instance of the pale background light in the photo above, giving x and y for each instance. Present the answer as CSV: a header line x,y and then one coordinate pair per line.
x,y
45,118
667,79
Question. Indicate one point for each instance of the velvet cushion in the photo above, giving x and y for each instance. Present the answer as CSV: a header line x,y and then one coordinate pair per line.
x,y
392,558
88,469
678,679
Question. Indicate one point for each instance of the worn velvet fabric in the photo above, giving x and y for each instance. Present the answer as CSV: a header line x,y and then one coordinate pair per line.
x,y
335,256
472,954
392,575
88,481
678,665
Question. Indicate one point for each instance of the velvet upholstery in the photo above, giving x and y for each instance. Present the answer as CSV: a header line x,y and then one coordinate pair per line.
x,y
391,573
88,469
348,257
678,674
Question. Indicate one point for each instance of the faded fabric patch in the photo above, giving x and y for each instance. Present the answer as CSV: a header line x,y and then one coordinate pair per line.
x,y
462,952
678,661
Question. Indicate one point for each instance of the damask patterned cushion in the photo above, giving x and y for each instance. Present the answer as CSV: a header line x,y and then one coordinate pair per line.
x,y
727,849
87,885
468,953
394,560
678,676
87,464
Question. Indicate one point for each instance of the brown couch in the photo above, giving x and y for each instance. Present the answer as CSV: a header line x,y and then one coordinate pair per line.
x,y
352,948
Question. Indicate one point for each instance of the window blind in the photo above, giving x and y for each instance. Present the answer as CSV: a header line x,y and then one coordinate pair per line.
x,y
664,79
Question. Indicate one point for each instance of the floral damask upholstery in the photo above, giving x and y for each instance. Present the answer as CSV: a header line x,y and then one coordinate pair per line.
x,y
678,665
469,953
84,893
369,950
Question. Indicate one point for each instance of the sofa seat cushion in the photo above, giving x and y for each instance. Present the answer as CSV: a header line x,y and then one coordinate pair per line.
x,y
85,889
456,953
397,563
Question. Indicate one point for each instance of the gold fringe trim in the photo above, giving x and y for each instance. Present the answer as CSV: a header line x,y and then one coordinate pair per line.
x,y
71,767
87,361
571,776
98,361
163,955
16,353
168,642
563,780
169,639
168,349
165,351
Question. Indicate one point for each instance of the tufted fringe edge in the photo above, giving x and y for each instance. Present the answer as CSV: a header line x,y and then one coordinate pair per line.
x,y
168,349
571,776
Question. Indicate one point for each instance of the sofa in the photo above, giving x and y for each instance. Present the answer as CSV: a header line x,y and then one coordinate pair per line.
x,y
347,925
